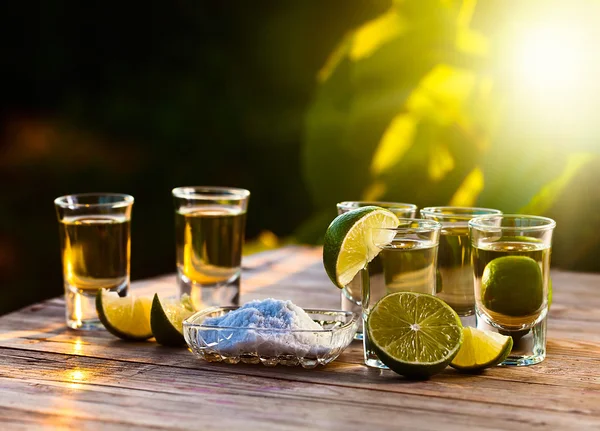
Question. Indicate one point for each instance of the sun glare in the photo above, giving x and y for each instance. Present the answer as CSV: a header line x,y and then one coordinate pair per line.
x,y
550,58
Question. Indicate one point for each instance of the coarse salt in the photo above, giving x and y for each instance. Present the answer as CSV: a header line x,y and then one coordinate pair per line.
x,y
269,326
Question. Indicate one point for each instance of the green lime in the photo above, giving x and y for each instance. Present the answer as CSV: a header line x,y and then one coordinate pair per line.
x,y
481,349
415,334
166,319
350,244
127,318
512,285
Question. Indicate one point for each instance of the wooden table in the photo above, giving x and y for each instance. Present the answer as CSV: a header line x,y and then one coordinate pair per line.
x,y
57,378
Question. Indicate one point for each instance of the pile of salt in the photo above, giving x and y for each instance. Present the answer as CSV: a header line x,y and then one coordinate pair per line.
x,y
268,326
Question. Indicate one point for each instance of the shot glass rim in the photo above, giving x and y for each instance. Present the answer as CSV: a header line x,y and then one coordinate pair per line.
x,y
393,205
428,226
67,202
201,193
548,223
468,214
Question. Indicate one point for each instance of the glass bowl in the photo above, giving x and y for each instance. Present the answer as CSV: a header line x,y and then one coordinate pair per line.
x,y
270,347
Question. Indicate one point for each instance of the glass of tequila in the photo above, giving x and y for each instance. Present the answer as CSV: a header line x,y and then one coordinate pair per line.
x,y
511,266
95,247
209,233
455,271
351,294
408,264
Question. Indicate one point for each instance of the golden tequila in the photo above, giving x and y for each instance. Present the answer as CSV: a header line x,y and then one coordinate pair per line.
x,y
95,252
406,266
455,280
402,266
209,243
485,253
409,266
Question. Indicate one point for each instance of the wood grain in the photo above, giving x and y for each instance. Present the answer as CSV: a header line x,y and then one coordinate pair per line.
x,y
53,377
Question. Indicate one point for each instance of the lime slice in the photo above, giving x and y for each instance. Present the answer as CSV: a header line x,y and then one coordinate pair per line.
x,y
414,334
127,318
350,244
513,286
166,319
481,349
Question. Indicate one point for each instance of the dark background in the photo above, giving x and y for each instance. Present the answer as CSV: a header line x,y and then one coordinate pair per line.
x,y
141,97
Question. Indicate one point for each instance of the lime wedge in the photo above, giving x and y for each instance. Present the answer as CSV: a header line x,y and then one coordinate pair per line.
x,y
127,318
414,334
166,319
350,244
481,349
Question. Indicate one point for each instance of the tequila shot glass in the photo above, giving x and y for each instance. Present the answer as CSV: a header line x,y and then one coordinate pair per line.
x,y
95,248
210,225
454,269
408,264
511,268
352,293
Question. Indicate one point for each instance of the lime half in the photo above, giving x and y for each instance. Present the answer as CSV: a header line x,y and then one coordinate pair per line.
x,y
481,349
127,318
512,285
166,319
350,244
415,334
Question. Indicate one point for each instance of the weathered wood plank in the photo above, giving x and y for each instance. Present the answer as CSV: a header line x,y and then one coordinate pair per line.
x,y
42,364
58,339
515,387
203,393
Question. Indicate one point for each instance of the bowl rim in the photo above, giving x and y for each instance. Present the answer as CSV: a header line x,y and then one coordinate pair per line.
x,y
188,323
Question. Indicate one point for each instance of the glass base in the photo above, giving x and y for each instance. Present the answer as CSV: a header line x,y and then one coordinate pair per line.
x,y
80,309
86,325
375,363
371,359
529,344
208,295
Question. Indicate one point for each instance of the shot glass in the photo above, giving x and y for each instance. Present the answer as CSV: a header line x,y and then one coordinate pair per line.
x,y
210,224
455,270
352,293
95,246
408,264
511,267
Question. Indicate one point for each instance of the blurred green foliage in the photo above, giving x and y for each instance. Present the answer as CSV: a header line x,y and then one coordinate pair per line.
x,y
305,103
425,104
